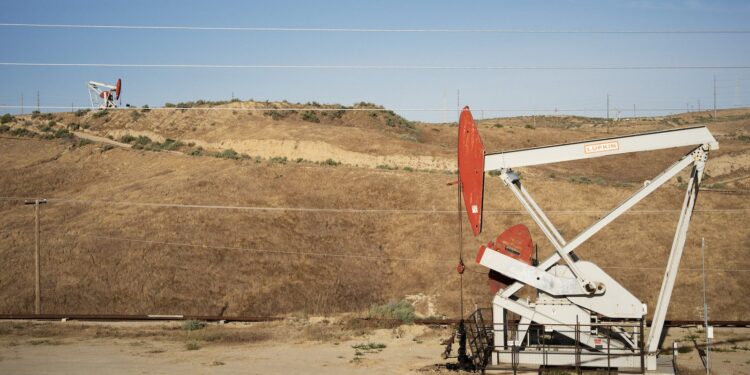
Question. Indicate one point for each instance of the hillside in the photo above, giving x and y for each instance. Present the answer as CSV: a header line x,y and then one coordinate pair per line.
x,y
376,177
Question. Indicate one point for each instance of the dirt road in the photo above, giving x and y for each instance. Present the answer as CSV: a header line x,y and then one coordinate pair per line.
x,y
405,350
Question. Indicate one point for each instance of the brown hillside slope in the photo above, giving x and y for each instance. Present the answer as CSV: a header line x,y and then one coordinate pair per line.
x,y
104,255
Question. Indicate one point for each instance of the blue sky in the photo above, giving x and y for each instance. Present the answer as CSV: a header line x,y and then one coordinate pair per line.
x,y
481,89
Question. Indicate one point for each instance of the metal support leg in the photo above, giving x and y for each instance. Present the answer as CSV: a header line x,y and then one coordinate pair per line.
x,y
673,264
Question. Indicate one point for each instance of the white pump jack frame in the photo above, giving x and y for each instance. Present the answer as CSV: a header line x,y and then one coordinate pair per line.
x,y
697,136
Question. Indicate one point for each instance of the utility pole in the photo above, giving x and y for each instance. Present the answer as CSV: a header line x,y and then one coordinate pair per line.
x,y
714,97
37,100
37,297
458,101
607,107
21,103
633,110
699,105
709,331
607,113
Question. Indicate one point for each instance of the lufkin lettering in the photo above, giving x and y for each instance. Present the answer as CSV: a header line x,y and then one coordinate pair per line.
x,y
601,147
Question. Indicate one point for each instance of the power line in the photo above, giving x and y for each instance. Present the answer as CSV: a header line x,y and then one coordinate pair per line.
x,y
279,252
334,255
350,210
376,30
380,67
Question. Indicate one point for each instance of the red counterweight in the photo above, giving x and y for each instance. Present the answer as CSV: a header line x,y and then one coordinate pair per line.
x,y
516,243
471,168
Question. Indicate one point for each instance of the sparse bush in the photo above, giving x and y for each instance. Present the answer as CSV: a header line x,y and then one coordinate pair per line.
x,y
529,126
135,115
402,311
196,152
409,169
127,138
192,345
100,113
586,181
193,325
21,132
142,142
278,160
4,128
7,118
684,349
74,126
387,167
310,116
370,347
169,105
229,154
146,108
35,114
170,145
63,133
83,141
331,162
81,112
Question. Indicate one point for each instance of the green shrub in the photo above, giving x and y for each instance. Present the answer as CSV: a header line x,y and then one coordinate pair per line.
x,y
387,167
310,116
192,345
63,133
21,132
100,113
331,162
401,310
127,138
170,145
529,126
278,160
193,325
586,181
74,126
372,347
7,118
229,154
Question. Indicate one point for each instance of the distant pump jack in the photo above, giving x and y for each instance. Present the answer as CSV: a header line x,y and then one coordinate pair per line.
x,y
104,95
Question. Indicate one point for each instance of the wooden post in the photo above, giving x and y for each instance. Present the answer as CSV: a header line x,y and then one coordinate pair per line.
x,y
37,299
37,260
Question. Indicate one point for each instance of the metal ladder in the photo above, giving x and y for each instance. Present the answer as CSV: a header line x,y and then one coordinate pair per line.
x,y
480,338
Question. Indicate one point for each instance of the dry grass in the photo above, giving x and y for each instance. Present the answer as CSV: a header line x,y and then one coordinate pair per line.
x,y
100,275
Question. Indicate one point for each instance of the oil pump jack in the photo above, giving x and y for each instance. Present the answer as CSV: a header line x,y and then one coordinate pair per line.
x,y
581,316
103,95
